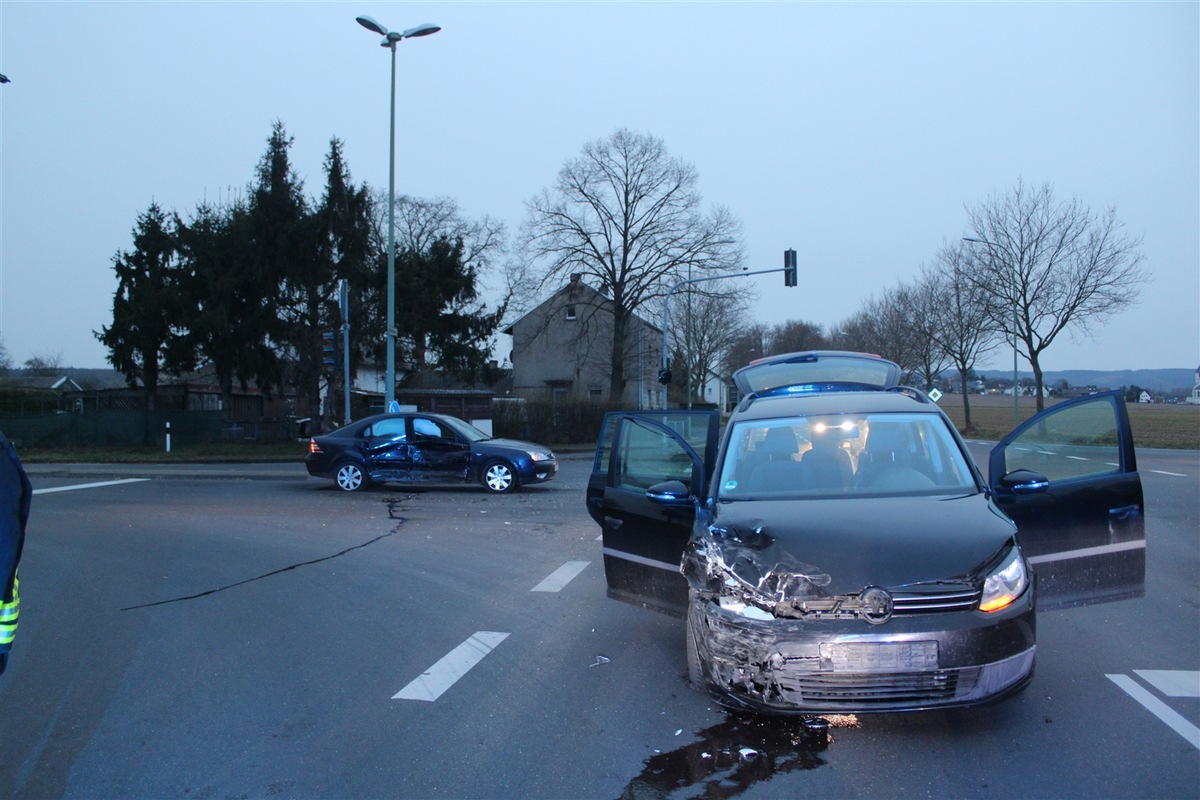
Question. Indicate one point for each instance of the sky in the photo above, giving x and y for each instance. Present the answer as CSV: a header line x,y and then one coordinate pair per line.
x,y
857,134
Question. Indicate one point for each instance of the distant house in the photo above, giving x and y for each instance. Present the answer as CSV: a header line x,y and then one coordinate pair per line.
x,y
58,384
715,391
1194,398
1145,397
563,349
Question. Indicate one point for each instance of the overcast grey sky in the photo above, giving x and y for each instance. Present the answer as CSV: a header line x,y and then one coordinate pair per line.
x,y
853,133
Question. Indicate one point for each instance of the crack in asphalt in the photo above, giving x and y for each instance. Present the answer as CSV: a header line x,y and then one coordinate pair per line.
x,y
392,505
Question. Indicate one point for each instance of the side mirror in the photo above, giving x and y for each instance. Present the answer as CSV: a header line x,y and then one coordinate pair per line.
x,y
1025,481
670,493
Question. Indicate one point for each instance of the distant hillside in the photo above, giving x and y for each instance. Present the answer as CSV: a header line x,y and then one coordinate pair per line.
x,y
1160,381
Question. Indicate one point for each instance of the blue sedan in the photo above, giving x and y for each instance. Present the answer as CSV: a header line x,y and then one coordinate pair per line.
x,y
417,448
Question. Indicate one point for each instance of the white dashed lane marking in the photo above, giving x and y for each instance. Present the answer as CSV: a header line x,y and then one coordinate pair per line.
x,y
445,673
88,485
556,580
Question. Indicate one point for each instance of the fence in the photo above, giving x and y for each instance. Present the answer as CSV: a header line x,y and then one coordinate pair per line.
x,y
128,429
555,423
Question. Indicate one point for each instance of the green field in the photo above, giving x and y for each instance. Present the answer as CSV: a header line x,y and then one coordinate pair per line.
x,y
1171,426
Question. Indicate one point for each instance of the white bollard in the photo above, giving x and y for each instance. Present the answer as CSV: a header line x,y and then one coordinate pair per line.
x,y
168,437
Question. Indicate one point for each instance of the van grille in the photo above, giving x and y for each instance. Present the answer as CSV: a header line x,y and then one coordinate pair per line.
x,y
943,599
881,690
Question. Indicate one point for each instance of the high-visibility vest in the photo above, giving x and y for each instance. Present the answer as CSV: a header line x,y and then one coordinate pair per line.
x,y
15,496
10,609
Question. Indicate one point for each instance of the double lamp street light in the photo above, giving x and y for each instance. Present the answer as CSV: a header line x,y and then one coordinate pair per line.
x,y
390,40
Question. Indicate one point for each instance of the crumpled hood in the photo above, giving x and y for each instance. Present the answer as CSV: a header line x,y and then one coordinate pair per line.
x,y
841,545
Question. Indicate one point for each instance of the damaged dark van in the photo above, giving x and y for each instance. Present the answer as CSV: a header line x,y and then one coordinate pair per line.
x,y
838,550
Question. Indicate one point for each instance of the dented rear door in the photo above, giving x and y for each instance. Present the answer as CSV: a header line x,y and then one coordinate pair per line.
x,y
644,531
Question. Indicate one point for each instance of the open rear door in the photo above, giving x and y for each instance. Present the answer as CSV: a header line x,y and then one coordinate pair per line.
x,y
645,524
1068,478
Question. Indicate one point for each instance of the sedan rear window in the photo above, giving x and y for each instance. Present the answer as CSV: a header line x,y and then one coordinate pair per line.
x,y
843,455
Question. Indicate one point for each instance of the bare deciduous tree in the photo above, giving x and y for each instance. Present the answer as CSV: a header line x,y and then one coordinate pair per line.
x,y
750,344
444,264
626,216
44,364
1046,266
703,324
921,302
882,326
795,336
961,326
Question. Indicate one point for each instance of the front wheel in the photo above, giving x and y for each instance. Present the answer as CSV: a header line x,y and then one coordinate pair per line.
x,y
498,477
350,478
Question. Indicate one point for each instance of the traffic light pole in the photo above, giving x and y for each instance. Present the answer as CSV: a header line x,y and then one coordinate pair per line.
x,y
664,375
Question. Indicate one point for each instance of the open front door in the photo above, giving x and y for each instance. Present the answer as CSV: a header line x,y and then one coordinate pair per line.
x,y
645,523
1068,478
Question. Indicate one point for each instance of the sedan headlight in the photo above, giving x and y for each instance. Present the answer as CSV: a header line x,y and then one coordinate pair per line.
x,y
539,456
1006,583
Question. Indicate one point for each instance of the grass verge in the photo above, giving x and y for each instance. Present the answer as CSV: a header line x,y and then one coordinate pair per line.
x,y
1167,426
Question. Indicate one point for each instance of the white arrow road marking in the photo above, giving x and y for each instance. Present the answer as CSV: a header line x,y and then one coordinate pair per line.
x,y
455,664
1158,708
88,485
556,580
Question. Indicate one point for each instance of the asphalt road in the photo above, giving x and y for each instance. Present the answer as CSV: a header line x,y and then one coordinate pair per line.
x,y
250,632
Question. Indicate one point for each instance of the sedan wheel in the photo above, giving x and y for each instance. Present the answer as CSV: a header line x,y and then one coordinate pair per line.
x,y
498,477
350,478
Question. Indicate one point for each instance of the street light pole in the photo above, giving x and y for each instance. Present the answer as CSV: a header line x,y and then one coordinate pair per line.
x,y
1016,412
390,40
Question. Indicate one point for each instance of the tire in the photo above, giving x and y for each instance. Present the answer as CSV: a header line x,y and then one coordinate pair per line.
x,y
349,477
499,477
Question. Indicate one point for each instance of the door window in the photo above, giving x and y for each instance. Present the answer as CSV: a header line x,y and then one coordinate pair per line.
x,y
1078,441
650,456
387,429
425,428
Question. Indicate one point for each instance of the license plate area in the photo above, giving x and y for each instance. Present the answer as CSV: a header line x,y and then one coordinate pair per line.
x,y
879,656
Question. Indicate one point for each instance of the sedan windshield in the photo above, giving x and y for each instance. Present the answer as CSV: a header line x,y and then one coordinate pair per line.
x,y
844,455
466,430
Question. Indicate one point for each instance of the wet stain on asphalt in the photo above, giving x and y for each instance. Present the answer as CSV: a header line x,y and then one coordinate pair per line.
x,y
731,757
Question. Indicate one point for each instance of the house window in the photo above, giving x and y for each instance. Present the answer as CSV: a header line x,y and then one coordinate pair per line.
x,y
595,395
571,311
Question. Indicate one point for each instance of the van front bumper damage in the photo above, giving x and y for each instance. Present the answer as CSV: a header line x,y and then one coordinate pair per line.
x,y
790,665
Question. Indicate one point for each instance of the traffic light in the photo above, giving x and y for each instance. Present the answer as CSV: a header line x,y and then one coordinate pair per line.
x,y
789,267
328,350
664,377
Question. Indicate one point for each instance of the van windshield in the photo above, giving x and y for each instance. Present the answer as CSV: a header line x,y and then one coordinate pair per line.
x,y
844,455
